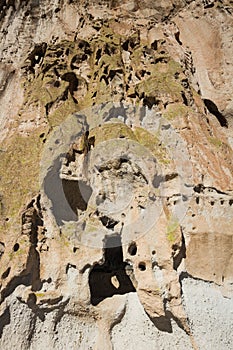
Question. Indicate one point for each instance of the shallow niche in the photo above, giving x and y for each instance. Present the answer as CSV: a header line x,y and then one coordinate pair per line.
x,y
110,278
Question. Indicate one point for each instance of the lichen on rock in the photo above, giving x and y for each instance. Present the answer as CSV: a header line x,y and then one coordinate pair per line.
x,y
116,174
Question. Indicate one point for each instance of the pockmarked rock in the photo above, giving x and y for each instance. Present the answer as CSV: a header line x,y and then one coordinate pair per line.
x,y
116,193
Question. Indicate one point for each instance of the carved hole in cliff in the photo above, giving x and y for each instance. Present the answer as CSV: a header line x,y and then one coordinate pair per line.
x,y
154,45
212,203
77,194
6,273
184,98
230,201
37,53
161,59
98,54
103,77
73,82
150,101
177,37
197,200
153,252
56,84
221,202
16,247
131,43
142,266
100,278
185,83
208,4
108,222
213,109
114,72
132,248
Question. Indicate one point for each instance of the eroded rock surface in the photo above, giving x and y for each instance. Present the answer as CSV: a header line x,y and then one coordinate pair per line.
x,y
116,174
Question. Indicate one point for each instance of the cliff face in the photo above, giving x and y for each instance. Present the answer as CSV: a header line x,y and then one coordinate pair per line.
x,y
116,174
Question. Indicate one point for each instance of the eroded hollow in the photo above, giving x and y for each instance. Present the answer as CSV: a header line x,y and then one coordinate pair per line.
x,y
77,194
142,266
101,276
132,248
16,247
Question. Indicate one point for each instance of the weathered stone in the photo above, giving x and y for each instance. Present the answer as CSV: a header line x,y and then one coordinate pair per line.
x,y
116,174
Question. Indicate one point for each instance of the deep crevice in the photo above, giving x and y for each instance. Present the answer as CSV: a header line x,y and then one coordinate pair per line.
x,y
4,319
181,255
213,109
150,101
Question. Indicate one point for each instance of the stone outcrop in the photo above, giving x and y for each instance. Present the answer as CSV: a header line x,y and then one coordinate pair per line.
x,y
116,174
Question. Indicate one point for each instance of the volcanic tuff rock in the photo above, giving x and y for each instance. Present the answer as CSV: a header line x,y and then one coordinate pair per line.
x,y
116,174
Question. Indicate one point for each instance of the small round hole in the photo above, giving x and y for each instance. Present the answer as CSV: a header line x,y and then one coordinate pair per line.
x,y
153,252
16,247
56,84
142,266
132,249
212,203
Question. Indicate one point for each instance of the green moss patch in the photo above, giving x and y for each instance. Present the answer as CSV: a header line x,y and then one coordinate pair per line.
x,y
176,110
150,141
110,131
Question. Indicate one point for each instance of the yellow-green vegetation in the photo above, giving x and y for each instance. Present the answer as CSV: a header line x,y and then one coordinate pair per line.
x,y
172,229
176,110
110,131
102,57
162,81
62,112
215,141
19,172
153,143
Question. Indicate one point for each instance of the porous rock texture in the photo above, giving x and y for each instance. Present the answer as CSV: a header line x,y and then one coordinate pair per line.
x,y
116,174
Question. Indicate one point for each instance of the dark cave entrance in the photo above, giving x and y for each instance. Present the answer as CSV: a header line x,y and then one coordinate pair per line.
x,y
101,276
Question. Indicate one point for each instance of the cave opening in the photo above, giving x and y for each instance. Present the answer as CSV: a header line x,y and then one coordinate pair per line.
x,y
102,276
213,109
77,194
